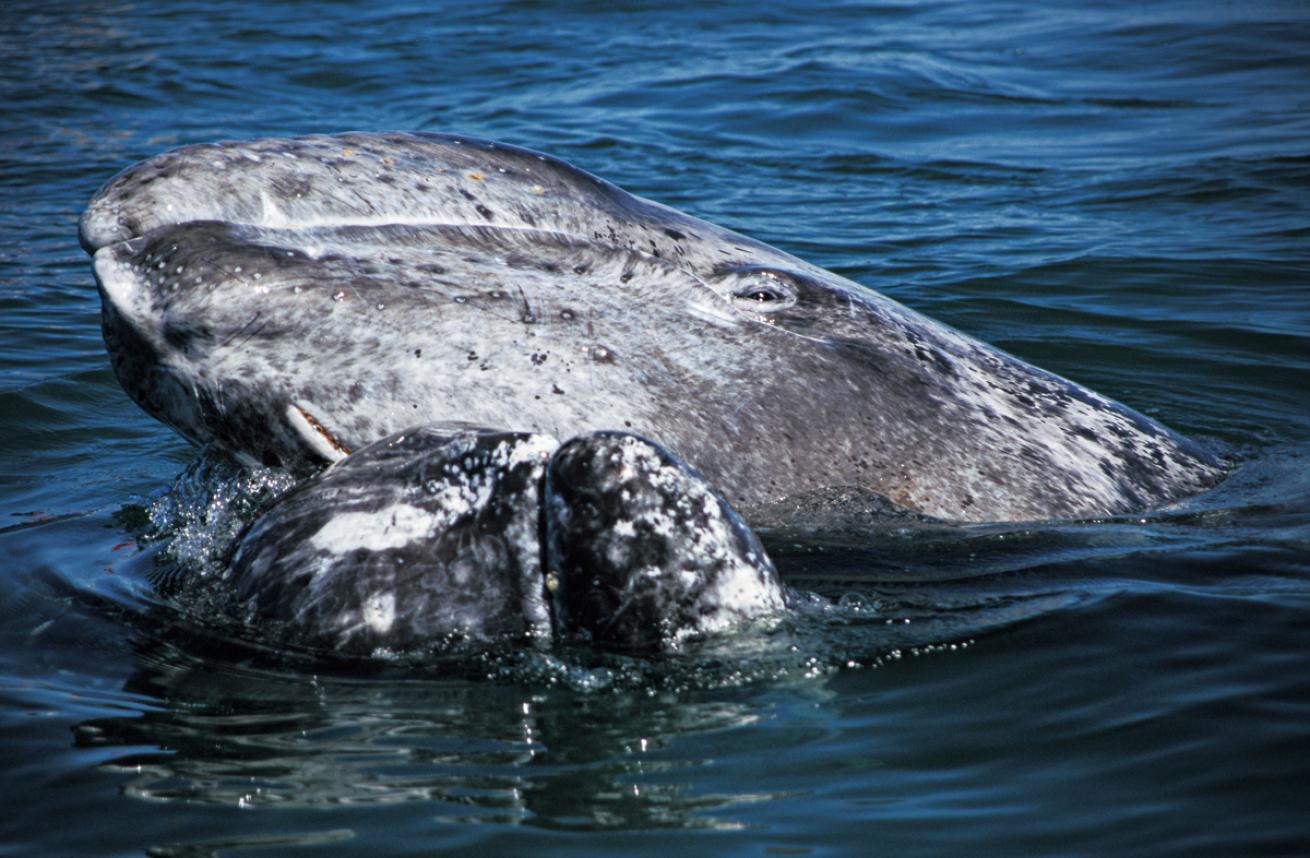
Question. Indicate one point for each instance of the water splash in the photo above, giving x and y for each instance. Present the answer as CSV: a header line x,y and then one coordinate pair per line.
x,y
205,509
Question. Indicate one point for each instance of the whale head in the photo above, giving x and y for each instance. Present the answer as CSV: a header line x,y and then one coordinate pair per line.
x,y
294,299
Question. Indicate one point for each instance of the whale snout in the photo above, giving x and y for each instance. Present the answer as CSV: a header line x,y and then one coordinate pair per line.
x,y
644,551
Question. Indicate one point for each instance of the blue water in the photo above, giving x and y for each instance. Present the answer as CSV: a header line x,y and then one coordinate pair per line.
x,y
1118,192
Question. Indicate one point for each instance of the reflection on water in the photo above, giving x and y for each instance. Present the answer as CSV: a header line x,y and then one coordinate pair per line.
x,y
478,751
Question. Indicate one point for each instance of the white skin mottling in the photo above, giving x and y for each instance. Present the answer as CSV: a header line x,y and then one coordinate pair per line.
x,y
459,499
739,590
538,448
740,593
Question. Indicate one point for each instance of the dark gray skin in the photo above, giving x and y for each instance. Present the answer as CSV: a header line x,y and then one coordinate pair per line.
x,y
414,538
424,537
292,299
644,549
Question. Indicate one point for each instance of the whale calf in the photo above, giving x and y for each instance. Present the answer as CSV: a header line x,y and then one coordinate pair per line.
x,y
425,536
293,299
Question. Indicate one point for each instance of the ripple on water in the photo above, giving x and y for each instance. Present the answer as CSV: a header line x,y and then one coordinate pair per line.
x,y
1114,191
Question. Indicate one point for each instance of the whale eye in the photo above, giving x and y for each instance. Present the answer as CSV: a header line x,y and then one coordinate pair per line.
x,y
757,290
759,294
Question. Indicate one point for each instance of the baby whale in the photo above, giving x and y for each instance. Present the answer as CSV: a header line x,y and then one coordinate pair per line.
x,y
425,536
295,299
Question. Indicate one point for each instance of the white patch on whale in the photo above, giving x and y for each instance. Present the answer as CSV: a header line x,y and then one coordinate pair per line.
x,y
537,448
380,611
390,527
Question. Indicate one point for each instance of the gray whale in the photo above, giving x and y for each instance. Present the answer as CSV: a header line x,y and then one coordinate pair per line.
x,y
425,537
295,299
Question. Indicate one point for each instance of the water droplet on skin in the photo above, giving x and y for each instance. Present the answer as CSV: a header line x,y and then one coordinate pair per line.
x,y
338,295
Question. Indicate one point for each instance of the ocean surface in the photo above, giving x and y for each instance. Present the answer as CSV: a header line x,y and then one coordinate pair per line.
x,y
1118,192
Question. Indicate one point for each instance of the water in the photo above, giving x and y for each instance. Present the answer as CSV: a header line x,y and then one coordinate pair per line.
x,y
1118,193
